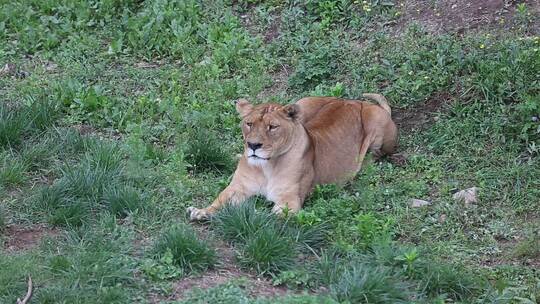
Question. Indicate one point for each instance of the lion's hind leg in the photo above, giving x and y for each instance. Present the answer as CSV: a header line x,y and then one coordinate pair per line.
x,y
364,147
389,139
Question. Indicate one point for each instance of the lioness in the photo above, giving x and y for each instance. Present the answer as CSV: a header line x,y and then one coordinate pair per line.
x,y
290,149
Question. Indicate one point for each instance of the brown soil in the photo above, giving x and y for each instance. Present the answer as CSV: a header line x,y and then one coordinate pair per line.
x,y
89,130
226,271
279,84
24,238
421,115
506,257
451,16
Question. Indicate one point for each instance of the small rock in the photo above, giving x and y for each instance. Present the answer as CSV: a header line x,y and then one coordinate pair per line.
x,y
535,118
467,196
8,69
22,74
442,218
51,66
417,203
146,65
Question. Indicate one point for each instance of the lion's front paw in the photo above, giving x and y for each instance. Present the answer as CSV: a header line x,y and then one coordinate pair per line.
x,y
277,210
196,214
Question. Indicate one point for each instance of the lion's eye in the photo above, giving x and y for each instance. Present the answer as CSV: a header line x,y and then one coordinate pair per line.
x,y
249,124
272,127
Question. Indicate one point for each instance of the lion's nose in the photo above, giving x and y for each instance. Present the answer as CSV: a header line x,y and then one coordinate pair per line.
x,y
254,146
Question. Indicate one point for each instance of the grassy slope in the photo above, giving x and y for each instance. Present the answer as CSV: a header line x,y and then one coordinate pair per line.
x,y
113,119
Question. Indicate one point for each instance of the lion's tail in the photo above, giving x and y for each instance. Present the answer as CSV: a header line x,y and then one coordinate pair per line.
x,y
381,100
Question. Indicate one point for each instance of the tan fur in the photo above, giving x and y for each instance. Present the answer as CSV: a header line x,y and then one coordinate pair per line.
x,y
317,140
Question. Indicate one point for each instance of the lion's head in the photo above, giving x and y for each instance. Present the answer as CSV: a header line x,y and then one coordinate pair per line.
x,y
268,129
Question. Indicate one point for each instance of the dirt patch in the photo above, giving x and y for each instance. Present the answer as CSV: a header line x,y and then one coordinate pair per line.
x,y
255,287
89,130
421,115
506,256
20,238
11,70
450,16
85,129
226,271
280,83
269,29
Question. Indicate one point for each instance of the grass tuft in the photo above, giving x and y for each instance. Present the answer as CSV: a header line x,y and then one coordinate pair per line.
x,y
69,214
329,266
123,200
188,251
74,143
86,182
435,278
268,252
237,223
363,283
61,208
42,114
39,154
12,171
3,221
268,244
529,247
205,152
13,123
104,156
309,237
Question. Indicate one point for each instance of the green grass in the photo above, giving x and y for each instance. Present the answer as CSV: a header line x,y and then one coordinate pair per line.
x,y
239,223
267,252
12,171
362,283
122,201
3,220
43,113
187,251
205,152
226,293
233,292
12,125
17,121
267,244
529,248
117,115
84,257
39,154
450,280
264,243
93,183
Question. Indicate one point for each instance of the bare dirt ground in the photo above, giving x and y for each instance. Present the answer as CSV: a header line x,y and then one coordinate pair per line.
x,y
421,115
449,16
19,238
505,256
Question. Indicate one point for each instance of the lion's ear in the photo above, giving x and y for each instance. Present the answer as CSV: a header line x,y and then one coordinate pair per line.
x,y
292,111
243,107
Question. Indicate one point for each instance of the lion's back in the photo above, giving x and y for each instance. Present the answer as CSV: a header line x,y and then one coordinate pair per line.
x,y
335,128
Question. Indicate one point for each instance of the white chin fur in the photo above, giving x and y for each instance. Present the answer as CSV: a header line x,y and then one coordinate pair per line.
x,y
257,161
